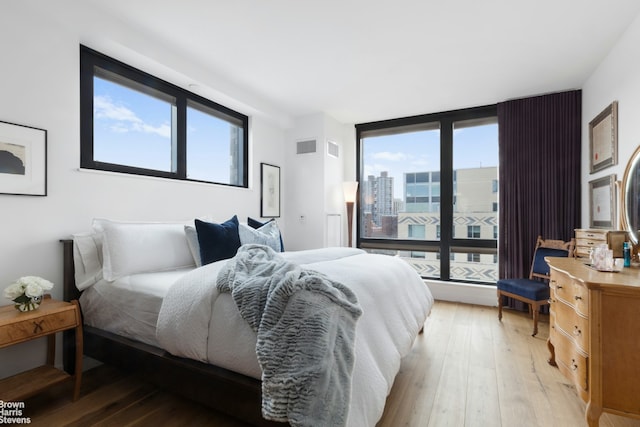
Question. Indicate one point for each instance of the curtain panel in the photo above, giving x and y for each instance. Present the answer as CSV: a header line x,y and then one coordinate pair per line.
x,y
539,143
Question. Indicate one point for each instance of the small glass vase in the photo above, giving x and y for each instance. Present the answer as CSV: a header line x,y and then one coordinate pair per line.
x,y
30,305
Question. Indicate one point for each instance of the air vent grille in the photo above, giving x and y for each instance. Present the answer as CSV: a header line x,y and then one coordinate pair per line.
x,y
333,149
304,147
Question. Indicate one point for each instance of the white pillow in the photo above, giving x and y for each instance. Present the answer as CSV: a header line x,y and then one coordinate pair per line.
x,y
130,248
194,245
268,235
87,259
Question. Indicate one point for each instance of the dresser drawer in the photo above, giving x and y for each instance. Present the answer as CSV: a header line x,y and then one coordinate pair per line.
x,y
572,324
580,298
592,235
561,287
571,362
34,326
571,293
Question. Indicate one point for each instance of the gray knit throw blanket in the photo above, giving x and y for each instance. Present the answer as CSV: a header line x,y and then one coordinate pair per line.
x,y
305,323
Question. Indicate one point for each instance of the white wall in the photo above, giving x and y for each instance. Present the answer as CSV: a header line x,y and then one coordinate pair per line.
x,y
616,78
39,87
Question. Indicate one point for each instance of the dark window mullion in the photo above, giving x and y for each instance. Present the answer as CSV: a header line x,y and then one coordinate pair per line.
x,y
86,114
446,196
181,136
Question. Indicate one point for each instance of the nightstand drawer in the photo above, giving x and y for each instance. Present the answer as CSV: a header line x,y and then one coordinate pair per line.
x,y
34,326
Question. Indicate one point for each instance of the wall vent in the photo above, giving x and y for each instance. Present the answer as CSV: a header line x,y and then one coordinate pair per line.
x,y
304,147
333,149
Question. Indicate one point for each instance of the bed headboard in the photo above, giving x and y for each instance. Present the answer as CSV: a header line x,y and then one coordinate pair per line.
x,y
69,290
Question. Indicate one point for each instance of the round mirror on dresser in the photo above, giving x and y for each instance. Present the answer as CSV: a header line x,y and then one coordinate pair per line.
x,y
631,198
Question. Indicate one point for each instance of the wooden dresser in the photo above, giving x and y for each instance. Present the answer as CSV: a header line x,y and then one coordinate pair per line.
x,y
589,238
594,335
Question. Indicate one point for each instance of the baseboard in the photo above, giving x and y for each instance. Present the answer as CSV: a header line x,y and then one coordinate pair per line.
x,y
463,292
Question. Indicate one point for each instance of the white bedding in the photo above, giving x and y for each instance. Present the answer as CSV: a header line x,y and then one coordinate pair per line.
x,y
394,300
197,321
128,306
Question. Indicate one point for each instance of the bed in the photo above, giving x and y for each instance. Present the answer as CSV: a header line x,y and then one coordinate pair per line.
x,y
126,316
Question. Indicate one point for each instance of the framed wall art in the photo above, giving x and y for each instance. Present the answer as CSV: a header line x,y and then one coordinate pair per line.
x,y
602,203
270,191
603,139
23,160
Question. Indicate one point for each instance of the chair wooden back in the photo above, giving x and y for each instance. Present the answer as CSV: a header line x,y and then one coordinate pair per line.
x,y
548,247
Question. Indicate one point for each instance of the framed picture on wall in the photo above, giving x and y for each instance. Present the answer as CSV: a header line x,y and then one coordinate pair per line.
x,y
603,139
23,160
602,202
270,191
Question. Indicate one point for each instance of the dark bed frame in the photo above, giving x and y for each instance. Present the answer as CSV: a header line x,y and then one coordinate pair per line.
x,y
229,392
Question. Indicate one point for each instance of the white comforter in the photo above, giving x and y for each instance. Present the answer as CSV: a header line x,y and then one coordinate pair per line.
x,y
198,322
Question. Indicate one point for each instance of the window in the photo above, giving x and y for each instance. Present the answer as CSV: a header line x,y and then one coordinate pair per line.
x,y
437,171
132,122
416,231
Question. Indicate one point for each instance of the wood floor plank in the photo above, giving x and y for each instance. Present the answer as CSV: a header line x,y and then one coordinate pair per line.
x,y
413,392
482,401
509,356
449,404
100,404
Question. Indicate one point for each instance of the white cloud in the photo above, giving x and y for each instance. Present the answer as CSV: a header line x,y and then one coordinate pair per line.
x,y
126,120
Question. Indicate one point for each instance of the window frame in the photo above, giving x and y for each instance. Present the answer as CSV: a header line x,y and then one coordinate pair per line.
x,y
91,59
446,245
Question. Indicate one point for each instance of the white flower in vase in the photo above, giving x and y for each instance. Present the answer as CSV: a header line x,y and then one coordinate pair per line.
x,y
27,292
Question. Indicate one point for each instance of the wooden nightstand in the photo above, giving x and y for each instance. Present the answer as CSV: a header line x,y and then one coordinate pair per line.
x,y
15,327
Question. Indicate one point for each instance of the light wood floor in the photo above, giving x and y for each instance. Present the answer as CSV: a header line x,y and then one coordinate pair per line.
x,y
467,369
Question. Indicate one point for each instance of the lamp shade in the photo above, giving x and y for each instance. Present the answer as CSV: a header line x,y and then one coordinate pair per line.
x,y
350,190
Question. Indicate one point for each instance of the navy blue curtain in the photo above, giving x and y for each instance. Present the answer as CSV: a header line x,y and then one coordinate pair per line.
x,y
539,143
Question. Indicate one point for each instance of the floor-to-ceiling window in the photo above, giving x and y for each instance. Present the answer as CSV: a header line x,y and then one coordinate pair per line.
x,y
429,192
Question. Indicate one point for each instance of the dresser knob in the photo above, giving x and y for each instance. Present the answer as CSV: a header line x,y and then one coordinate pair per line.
x,y
577,297
576,331
573,365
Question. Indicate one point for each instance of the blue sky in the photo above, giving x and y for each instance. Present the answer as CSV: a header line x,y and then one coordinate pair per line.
x,y
420,152
134,128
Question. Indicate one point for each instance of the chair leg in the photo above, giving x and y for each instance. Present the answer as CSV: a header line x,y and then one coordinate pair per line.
x,y
535,309
499,306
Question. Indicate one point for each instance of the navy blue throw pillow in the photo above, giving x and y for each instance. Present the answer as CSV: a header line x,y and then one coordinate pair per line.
x,y
217,241
254,223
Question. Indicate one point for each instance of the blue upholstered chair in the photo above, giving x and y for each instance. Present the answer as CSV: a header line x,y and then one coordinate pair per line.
x,y
534,291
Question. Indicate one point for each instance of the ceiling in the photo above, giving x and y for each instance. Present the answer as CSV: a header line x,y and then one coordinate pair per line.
x,y
366,60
